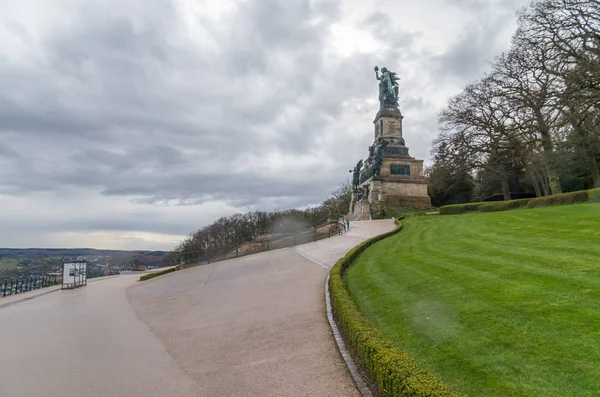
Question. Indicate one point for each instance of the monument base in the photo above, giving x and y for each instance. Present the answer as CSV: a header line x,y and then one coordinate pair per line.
x,y
360,211
390,176
380,192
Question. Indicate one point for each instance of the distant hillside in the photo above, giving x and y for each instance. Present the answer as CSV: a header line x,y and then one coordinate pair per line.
x,y
20,262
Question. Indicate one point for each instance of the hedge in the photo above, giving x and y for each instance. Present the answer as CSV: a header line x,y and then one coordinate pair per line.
x,y
395,373
582,196
594,195
456,209
156,274
504,205
560,199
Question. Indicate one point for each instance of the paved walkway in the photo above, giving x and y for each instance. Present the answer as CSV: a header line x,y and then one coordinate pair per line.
x,y
13,299
329,251
256,325
84,342
252,326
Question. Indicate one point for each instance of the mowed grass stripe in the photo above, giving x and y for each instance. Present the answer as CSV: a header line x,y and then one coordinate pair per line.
x,y
496,304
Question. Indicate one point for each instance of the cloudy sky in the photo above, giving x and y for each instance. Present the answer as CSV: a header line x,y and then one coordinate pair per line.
x,y
128,124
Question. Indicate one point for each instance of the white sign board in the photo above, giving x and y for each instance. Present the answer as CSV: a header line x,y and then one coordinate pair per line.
x,y
74,275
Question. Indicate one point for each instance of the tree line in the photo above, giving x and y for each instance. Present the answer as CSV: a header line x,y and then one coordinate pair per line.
x,y
230,232
531,124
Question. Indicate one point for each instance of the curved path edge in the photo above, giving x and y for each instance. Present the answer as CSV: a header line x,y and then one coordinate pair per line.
x,y
334,256
360,383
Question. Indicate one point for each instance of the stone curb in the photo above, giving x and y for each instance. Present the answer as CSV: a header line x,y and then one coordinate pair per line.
x,y
312,259
356,377
27,298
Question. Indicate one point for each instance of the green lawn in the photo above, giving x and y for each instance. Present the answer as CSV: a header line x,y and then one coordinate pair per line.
x,y
495,304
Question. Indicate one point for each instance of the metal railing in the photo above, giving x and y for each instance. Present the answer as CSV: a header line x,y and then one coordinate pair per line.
x,y
94,273
26,284
266,242
20,285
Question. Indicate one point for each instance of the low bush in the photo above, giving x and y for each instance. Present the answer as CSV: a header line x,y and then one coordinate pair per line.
x,y
582,196
156,274
395,373
559,199
504,205
456,209
594,195
394,211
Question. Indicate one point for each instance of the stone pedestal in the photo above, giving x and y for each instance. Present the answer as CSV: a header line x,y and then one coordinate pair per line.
x,y
400,181
360,211
376,196
388,124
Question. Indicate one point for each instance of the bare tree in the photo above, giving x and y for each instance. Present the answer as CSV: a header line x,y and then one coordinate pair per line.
x,y
568,31
479,123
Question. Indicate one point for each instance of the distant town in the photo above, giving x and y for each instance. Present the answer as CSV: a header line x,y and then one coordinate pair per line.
x,y
18,262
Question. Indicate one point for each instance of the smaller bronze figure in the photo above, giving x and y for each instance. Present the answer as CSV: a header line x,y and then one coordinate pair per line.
x,y
359,195
356,175
378,157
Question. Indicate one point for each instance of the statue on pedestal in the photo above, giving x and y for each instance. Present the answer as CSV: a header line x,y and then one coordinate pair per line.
x,y
356,175
378,157
360,195
388,88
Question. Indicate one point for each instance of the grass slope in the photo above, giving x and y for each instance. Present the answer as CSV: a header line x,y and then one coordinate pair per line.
x,y
495,304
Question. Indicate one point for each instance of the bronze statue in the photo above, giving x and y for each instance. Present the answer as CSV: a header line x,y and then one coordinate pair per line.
x,y
356,174
378,157
388,88
360,195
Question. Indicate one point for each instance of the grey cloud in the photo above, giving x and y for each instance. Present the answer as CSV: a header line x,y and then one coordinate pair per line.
x,y
123,102
475,47
467,58
105,75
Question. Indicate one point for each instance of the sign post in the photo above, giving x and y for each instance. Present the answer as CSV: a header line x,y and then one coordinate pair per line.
x,y
74,275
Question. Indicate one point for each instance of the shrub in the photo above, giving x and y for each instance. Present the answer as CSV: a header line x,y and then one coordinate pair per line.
x,y
395,373
559,199
456,209
582,196
504,205
156,274
594,195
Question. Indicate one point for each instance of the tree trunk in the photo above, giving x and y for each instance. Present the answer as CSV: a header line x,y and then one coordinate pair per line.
x,y
540,182
548,153
546,185
536,187
533,175
544,181
553,178
505,188
594,169
591,157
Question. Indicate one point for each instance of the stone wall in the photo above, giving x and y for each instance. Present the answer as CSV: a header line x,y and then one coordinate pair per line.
x,y
419,202
404,189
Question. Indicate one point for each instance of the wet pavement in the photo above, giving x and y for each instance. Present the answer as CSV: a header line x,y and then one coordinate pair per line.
x,y
251,326
84,342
